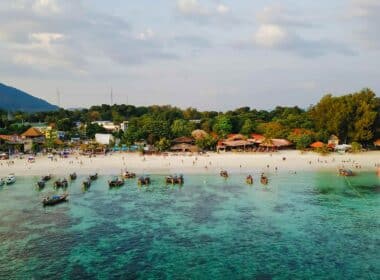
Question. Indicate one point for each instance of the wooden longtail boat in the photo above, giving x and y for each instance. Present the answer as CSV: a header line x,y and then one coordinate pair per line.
x,y
115,182
55,199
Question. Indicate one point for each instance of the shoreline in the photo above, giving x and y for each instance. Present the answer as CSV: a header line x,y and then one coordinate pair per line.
x,y
114,163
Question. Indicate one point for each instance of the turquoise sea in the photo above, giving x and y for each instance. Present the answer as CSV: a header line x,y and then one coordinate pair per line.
x,y
301,226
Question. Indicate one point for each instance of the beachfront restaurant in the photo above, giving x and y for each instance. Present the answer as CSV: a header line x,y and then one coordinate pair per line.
x,y
11,144
33,139
275,144
236,143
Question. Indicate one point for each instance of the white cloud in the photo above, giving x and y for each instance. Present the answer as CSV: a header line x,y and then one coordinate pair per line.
x,y
46,38
46,6
270,35
222,9
146,35
205,11
286,31
365,14
190,7
72,39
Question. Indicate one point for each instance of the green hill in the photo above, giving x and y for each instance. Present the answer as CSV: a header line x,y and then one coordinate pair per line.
x,y
13,99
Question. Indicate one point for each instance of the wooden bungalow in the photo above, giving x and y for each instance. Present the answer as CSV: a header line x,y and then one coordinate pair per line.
x,y
184,144
234,145
276,144
12,143
184,140
184,147
257,138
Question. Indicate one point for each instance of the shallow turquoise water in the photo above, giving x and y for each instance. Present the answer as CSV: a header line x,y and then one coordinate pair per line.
x,y
301,226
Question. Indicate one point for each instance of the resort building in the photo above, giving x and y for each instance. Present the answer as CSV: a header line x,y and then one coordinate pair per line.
x,y
107,125
124,125
32,137
104,139
184,144
11,143
235,142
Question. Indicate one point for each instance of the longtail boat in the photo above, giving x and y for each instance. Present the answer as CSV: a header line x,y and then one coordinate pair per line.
x,y
128,175
94,177
55,199
41,184
264,179
87,183
115,182
143,180
73,176
174,179
61,183
249,180
224,174
346,172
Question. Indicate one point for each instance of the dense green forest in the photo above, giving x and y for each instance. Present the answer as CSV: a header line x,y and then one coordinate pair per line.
x,y
353,118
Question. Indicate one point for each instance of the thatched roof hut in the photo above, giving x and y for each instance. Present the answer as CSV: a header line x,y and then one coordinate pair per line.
x,y
235,137
278,143
184,147
32,133
184,139
257,138
199,134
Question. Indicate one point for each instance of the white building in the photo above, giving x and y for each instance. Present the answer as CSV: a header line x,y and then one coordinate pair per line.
x,y
104,139
124,125
107,125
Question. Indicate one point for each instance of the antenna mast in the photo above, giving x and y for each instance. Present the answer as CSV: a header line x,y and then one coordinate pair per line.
x,y
111,96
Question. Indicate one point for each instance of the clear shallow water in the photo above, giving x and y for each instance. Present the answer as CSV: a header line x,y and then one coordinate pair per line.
x,y
303,226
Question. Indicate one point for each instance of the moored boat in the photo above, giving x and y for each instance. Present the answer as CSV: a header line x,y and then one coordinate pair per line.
x,y
73,176
61,183
224,174
93,177
46,178
174,179
87,183
346,172
249,180
55,199
10,179
143,180
41,184
264,179
128,175
115,182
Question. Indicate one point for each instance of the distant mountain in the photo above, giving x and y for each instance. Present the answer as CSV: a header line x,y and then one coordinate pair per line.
x,y
13,99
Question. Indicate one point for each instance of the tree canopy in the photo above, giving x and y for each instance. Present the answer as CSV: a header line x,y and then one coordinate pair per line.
x,y
353,117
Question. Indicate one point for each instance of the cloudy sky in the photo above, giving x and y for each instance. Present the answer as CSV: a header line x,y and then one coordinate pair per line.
x,y
208,54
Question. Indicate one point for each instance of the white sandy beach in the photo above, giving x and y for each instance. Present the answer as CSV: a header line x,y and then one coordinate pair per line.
x,y
195,164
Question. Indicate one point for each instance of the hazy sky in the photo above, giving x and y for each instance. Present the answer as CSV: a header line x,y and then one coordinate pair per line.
x,y
208,54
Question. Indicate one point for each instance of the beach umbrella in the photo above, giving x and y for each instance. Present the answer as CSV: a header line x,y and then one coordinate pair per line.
x,y
317,145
